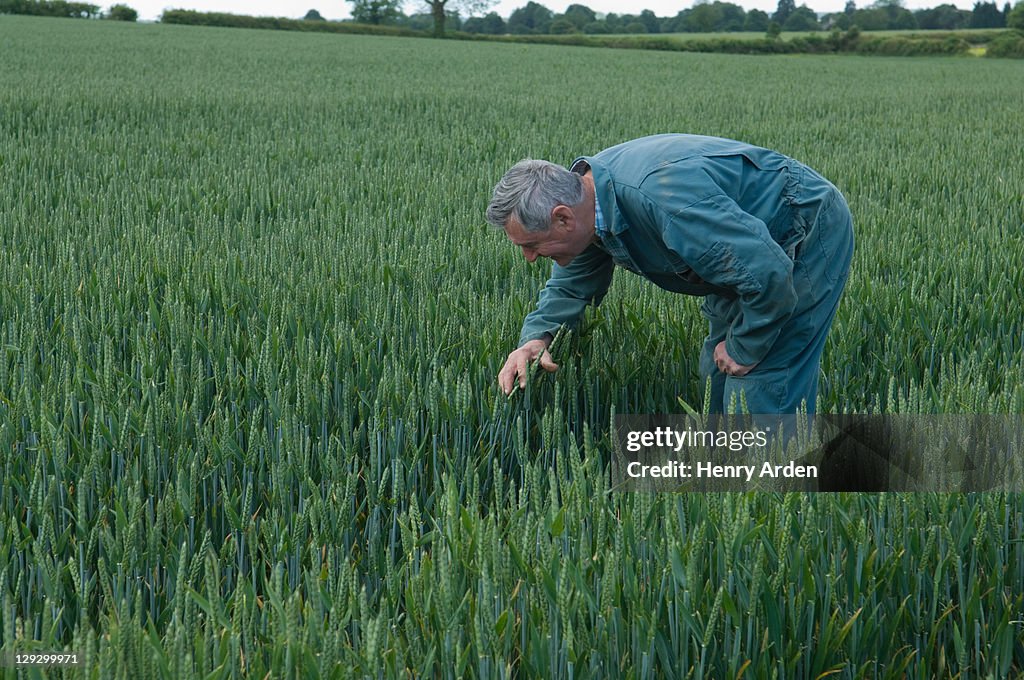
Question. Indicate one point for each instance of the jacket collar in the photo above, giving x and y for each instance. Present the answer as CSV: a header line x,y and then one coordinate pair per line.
x,y
612,224
612,221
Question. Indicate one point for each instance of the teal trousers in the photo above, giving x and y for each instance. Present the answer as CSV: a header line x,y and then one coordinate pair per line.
x,y
786,380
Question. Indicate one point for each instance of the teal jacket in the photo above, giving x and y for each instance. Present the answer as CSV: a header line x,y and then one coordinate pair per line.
x,y
699,216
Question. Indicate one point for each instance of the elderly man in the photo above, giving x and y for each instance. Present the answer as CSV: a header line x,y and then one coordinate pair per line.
x,y
764,239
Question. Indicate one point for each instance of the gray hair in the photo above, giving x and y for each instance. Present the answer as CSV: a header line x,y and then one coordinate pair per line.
x,y
529,191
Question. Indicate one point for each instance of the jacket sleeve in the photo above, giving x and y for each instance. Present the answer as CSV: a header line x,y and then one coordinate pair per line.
x,y
567,293
729,247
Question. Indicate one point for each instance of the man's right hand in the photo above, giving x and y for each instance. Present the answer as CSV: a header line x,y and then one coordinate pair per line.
x,y
518,364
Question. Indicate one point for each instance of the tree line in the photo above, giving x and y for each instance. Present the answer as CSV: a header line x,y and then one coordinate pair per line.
x,y
68,10
536,19
706,17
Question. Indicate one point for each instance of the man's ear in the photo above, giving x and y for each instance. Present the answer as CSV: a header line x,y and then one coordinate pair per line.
x,y
563,217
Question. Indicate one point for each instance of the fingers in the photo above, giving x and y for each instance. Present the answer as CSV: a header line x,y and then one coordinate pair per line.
x,y
507,376
721,357
517,366
727,365
736,370
547,363
739,371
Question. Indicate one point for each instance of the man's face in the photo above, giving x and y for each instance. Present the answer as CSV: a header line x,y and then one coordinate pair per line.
x,y
563,240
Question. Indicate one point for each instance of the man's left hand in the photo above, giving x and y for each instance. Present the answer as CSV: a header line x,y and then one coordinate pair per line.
x,y
726,365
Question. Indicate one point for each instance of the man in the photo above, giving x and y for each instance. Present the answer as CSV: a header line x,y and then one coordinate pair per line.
x,y
766,240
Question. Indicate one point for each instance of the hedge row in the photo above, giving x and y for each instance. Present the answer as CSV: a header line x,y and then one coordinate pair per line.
x,y
898,46
193,18
1007,45
835,42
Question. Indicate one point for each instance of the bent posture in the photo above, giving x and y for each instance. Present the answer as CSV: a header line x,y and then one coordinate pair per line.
x,y
764,239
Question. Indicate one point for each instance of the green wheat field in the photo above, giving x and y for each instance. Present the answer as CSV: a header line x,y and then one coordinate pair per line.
x,y
251,319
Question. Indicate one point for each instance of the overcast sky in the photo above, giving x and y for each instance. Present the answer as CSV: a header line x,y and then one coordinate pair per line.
x,y
149,10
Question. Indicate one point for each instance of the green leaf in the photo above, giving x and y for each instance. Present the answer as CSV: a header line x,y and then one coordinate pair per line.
x,y
558,523
499,625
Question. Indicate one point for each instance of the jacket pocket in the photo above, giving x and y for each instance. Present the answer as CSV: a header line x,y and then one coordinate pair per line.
x,y
829,238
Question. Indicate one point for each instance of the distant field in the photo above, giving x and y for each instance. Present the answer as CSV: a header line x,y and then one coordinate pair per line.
x,y
251,319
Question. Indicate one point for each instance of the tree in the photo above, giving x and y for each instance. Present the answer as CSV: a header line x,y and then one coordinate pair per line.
x,y
489,24
872,19
50,8
1016,18
580,15
733,18
650,21
896,17
944,17
987,15
839,20
703,18
850,8
802,18
625,20
442,9
531,19
313,15
122,13
562,26
676,24
774,31
420,21
782,12
756,21
375,11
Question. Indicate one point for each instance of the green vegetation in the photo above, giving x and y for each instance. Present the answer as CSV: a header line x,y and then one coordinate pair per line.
x,y
717,16
251,319
50,8
888,43
852,41
67,10
974,36
122,13
1015,19
190,17
1010,44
